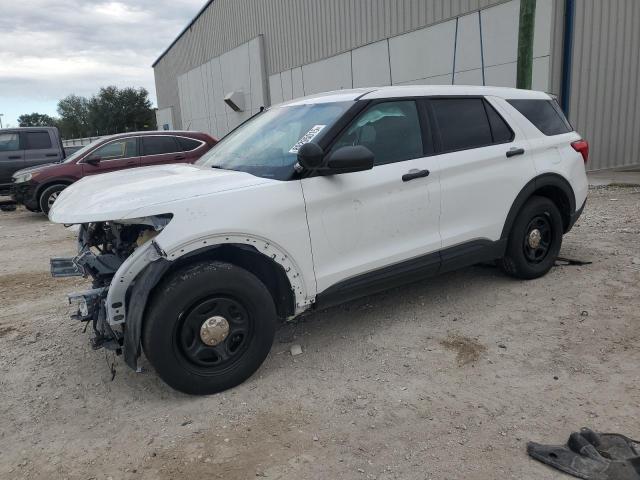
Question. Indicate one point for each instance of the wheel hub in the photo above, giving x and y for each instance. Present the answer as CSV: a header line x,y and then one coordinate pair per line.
x,y
214,330
52,198
535,237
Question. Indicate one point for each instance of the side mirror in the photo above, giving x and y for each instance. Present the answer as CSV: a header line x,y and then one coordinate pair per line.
x,y
93,161
350,159
310,156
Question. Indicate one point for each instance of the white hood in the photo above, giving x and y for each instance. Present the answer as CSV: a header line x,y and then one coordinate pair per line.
x,y
116,195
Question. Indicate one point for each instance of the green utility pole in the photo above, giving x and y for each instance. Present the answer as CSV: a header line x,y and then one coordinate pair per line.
x,y
525,43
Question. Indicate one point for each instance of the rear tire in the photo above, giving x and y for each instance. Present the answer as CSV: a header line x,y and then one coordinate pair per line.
x,y
49,196
534,241
183,333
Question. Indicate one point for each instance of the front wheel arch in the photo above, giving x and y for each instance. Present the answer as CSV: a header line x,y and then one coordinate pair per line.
x,y
45,191
265,268
272,274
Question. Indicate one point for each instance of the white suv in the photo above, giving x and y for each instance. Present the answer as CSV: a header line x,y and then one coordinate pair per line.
x,y
312,203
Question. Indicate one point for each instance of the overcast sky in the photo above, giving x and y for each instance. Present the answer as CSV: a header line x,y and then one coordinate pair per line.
x,y
52,48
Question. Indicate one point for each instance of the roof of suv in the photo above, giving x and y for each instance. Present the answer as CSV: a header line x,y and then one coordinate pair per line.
x,y
154,132
417,91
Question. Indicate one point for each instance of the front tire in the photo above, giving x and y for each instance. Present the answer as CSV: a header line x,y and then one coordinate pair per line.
x,y
49,196
209,327
534,241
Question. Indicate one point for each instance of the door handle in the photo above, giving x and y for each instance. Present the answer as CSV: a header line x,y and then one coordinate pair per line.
x,y
413,174
15,157
515,151
51,155
179,157
131,163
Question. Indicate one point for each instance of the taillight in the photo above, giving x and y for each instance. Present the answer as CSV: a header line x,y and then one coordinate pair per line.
x,y
582,147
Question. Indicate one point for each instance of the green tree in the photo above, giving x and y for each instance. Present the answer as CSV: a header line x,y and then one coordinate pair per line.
x,y
111,110
37,120
115,110
74,117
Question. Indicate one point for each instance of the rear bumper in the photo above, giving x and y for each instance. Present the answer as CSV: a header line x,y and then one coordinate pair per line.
x,y
25,193
575,216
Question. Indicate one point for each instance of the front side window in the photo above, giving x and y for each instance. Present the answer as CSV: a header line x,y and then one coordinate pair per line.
x,y
159,145
125,148
9,142
267,145
37,140
391,130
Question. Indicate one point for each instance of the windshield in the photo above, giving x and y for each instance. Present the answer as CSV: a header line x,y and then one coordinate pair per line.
x,y
78,153
267,145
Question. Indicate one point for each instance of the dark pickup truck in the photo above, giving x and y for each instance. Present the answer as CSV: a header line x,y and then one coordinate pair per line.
x,y
27,147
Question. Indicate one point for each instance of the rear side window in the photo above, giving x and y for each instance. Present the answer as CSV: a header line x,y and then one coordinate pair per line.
x,y
159,145
37,140
544,114
188,144
462,123
500,131
9,142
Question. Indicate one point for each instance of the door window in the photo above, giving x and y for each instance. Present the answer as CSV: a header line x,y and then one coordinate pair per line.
x,y
37,140
125,148
462,123
188,144
9,142
159,145
500,131
391,130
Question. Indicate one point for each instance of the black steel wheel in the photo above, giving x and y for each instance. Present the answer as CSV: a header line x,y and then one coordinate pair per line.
x,y
214,332
209,327
535,239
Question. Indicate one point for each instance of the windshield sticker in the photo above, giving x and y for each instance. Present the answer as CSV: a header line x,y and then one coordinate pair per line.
x,y
310,135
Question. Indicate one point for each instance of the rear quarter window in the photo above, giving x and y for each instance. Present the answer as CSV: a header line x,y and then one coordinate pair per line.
x,y
545,115
188,144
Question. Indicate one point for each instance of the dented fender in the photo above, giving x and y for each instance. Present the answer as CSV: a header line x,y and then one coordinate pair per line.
x,y
150,265
304,298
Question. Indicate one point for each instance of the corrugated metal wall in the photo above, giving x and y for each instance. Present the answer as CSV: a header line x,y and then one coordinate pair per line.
x,y
605,86
604,104
296,32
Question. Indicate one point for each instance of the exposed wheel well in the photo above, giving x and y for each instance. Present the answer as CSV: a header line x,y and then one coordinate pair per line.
x,y
270,273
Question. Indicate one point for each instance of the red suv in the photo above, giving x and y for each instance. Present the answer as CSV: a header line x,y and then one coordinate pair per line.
x,y
38,187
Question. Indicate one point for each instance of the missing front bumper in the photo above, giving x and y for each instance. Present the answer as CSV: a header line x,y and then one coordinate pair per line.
x,y
90,307
65,267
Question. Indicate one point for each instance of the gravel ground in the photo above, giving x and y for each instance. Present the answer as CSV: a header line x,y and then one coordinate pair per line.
x,y
446,379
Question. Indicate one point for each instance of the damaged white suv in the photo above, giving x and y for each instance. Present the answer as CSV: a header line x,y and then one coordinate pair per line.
x,y
311,203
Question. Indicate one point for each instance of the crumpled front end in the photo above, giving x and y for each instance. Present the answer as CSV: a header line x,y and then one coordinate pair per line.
x,y
117,256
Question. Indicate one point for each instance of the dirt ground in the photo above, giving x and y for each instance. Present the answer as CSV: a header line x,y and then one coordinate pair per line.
x,y
446,379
